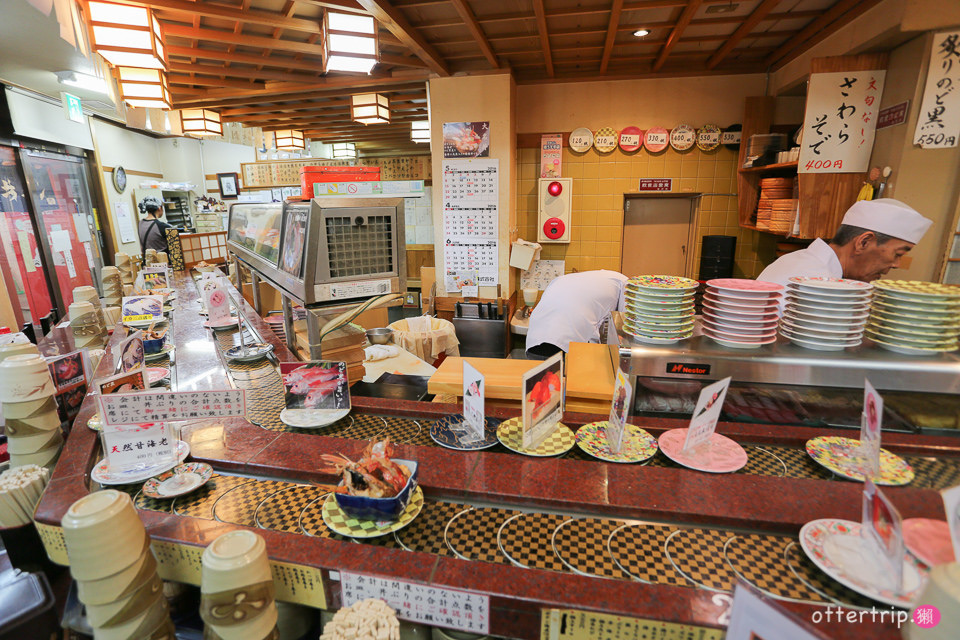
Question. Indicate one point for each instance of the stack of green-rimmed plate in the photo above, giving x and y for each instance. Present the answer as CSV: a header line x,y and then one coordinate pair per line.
x,y
915,318
659,309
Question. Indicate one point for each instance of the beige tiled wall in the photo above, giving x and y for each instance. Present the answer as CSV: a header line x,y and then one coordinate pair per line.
x,y
599,184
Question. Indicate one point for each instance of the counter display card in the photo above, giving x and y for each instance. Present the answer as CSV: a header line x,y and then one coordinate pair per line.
x,y
155,277
938,125
551,155
70,373
320,385
120,407
543,389
951,505
436,606
294,239
706,414
138,446
882,531
466,139
471,220
141,308
870,428
840,121
123,383
130,353
619,410
754,616
215,299
473,404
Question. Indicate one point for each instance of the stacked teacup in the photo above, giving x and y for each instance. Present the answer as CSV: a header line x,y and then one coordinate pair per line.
x,y
14,348
149,257
89,294
116,573
30,411
112,286
125,265
86,326
236,589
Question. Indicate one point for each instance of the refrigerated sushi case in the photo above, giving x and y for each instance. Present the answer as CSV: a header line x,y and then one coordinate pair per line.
x,y
786,384
325,254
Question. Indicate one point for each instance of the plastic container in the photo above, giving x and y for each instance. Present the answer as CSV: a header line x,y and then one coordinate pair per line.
x,y
26,609
311,175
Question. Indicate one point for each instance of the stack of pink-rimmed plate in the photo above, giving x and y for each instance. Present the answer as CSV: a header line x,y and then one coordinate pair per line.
x,y
741,313
826,314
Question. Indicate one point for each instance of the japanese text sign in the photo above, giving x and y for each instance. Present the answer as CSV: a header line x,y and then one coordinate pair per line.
x,y
882,531
551,148
706,414
449,608
164,406
139,445
840,121
938,123
130,353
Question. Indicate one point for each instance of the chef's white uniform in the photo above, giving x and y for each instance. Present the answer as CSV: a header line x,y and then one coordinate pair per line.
x,y
573,308
818,260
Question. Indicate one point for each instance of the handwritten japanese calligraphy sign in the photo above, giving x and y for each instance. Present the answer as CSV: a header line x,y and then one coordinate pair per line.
x,y
840,121
139,445
938,124
165,406
449,608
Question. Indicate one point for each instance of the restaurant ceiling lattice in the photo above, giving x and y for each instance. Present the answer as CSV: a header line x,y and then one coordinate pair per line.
x,y
260,62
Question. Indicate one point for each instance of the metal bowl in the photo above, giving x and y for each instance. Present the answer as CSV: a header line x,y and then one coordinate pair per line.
x,y
382,335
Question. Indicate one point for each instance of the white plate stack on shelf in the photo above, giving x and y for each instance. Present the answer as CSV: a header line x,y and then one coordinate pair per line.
x,y
659,309
915,318
740,313
826,314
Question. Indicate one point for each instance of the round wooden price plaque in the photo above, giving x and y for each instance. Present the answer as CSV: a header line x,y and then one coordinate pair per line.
x,y
656,139
631,139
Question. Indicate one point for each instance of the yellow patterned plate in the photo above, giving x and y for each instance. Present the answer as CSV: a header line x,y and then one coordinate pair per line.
x,y
348,526
510,435
918,288
637,445
840,455
605,139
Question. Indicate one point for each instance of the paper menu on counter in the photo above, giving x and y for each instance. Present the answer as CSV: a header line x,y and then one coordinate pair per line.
x,y
473,403
542,403
951,505
870,429
882,530
123,382
619,410
706,414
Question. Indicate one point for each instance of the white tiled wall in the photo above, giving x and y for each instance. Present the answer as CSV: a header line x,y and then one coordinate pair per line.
x,y
418,216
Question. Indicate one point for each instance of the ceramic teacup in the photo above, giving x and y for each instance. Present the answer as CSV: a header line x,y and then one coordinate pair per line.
x,y
125,609
118,585
25,377
18,443
13,349
261,628
29,409
147,626
45,458
90,522
234,560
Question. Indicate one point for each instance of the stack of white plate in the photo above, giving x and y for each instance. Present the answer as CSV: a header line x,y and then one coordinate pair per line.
x,y
826,314
741,313
659,309
915,318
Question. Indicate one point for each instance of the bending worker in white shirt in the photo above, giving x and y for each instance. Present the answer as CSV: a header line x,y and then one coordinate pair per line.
x,y
872,238
572,309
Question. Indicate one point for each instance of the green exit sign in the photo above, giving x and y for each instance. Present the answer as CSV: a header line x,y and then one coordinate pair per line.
x,y
72,107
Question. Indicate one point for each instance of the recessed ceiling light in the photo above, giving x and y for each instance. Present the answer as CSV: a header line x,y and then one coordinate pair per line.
x,y
639,33
722,8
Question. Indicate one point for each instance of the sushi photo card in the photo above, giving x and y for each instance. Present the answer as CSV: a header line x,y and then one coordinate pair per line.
x,y
130,353
126,382
882,530
70,373
315,393
473,404
543,393
155,277
870,427
141,308
706,414
619,410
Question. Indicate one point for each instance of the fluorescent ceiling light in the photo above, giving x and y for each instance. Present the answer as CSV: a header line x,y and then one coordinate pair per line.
x,y
81,81
641,33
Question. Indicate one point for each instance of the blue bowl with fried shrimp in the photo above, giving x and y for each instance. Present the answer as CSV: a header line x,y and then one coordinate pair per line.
x,y
365,508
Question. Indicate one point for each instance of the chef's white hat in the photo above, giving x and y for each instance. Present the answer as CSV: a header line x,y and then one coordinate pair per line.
x,y
890,217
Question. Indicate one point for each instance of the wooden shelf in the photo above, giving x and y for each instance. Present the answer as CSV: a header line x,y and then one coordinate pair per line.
x,y
780,166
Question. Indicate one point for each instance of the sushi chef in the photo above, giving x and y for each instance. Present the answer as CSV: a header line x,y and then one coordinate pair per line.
x,y
871,240
572,309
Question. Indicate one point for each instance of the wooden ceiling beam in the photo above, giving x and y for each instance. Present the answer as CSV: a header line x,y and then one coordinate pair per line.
x,y
544,35
685,17
228,37
392,19
748,25
236,72
350,6
274,92
307,105
819,28
288,8
615,10
174,78
402,61
331,113
249,16
245,58
469,19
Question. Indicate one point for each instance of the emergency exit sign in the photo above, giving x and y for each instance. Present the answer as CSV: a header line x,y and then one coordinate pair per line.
x,y
72,107
655,184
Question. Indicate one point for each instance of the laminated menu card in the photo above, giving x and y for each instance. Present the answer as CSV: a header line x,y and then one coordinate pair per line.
x,y
127,382
70,373
315,393
619,410
215,299
706,414
134,446
130,353
473,404
870,426
155,277
882,531
141,308
543,394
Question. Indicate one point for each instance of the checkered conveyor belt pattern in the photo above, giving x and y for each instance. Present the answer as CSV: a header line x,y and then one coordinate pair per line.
x,y
615,549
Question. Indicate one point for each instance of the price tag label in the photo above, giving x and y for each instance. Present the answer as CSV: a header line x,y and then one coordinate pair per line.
x,y
708,138
629,140
706,414
578,142
605,142
656,138
681,137
730,137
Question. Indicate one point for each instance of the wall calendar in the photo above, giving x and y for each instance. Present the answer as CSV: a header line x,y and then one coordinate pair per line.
x,y
471,221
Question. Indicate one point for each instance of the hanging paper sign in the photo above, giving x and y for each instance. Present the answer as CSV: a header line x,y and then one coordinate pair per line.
x,y
141,308
139,446
581,139
619,410
951,505
840,121
708,137
165,406
938,124
551,152
870,424
730,137
656,139
605,140
473,403
882,531
706,414
542,401
631,139
682,137
130,353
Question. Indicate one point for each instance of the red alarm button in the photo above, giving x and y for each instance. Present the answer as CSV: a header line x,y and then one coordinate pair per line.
x,y
553,228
